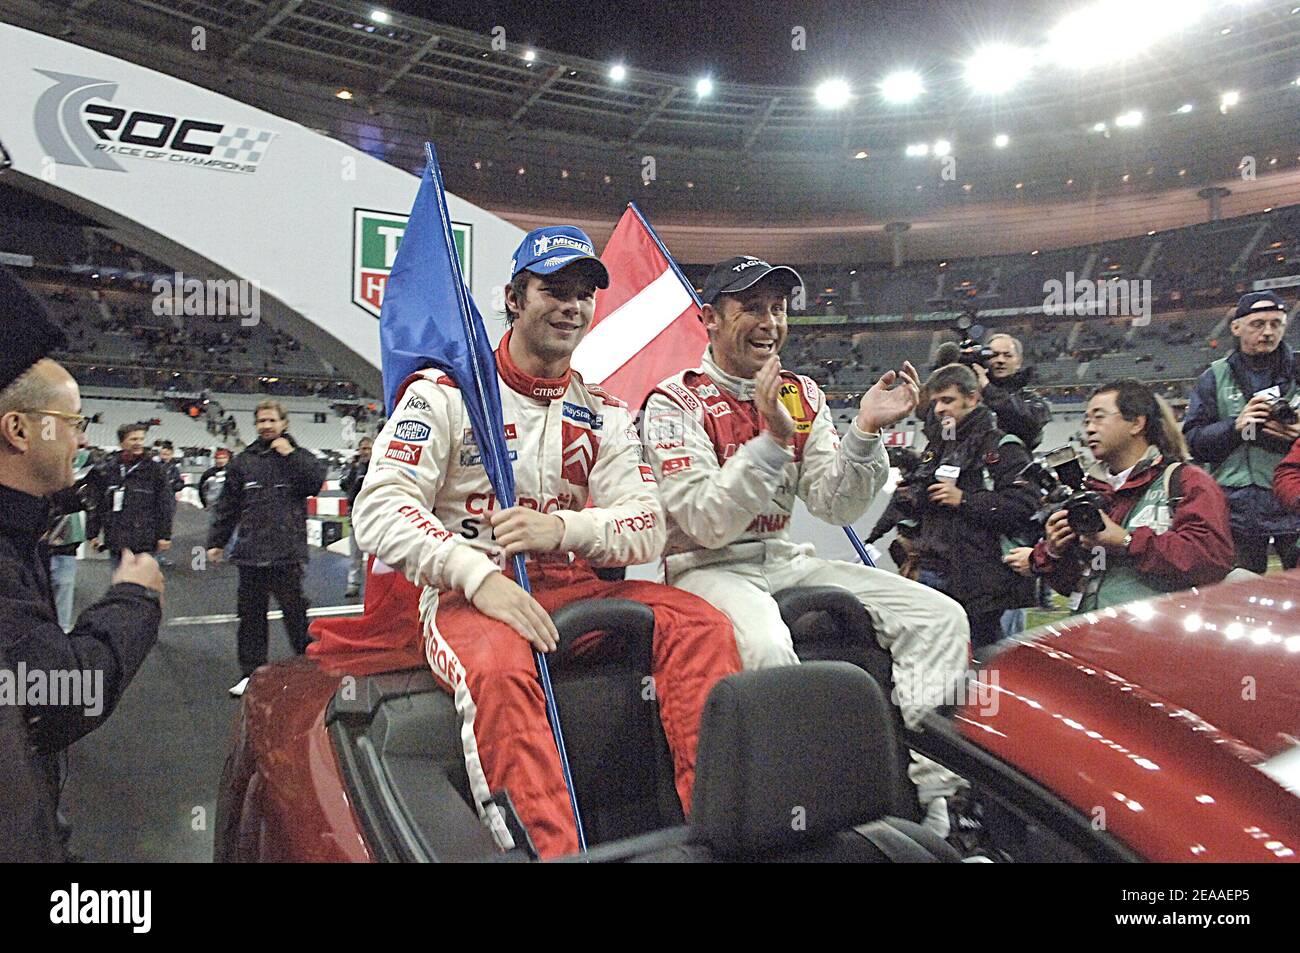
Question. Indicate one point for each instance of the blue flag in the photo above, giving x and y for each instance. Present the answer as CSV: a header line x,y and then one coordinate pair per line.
x,y
429,320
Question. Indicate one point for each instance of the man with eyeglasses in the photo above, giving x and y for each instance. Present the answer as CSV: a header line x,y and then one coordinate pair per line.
x,y
41,430
1005,390
1242,420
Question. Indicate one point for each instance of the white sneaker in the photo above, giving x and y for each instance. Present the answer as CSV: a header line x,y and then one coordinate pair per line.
x,y
237,689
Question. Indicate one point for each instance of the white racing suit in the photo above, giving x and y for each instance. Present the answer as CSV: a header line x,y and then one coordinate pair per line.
x,y
729,491
423,510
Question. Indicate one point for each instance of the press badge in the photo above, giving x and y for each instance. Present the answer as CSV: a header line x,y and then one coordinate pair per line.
x,y
947,472
119,496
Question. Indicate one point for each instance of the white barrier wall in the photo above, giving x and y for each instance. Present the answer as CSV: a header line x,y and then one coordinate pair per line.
x,y
223,190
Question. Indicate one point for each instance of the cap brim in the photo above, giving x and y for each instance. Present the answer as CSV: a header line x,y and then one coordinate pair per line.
x,y
748,279
551,265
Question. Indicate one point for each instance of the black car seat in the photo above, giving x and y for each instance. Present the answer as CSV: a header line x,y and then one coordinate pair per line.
x,y
828,623
399,736
799,764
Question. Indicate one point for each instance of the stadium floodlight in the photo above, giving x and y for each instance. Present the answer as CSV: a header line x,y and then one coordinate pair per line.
x,y
917,149
530,55
1071,41
1185,108
1099,127
997,69
1001,140
1129,120
1228,100
861,154
833,94
942,147
343,94
380,16
703,86
903,86
618,72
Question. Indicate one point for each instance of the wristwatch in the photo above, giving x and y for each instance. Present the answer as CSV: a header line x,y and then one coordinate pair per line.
x,y
1128,541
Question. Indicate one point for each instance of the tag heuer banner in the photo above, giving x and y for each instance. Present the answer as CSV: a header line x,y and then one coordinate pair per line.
x,y
375,239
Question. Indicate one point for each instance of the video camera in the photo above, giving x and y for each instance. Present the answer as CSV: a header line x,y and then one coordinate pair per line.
x,y
1059,480
969,350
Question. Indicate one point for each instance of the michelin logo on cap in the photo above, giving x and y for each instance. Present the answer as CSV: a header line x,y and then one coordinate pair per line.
x,y
545,243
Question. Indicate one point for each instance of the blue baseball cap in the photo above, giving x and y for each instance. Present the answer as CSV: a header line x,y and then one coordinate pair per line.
x,y
1259,301
545,251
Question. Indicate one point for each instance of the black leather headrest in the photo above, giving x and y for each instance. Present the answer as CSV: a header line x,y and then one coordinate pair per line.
x,y
789,755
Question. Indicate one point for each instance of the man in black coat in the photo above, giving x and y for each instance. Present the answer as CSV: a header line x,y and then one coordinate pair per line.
x,y
213,480
266,492
971,504
134,502
1005,390
41,428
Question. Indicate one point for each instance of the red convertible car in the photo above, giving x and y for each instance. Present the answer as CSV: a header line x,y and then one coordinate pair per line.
x,y
1166,730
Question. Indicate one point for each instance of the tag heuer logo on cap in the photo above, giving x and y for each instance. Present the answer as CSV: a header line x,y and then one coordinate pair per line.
x,y
376,236
750,263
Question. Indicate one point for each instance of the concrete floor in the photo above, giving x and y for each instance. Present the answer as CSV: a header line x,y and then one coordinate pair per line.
x,y
143,787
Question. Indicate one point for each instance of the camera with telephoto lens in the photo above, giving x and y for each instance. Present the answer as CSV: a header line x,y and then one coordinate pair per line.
x,y
1059,481
972,351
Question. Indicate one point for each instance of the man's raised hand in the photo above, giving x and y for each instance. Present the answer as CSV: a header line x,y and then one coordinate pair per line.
x,y
884,404
767,398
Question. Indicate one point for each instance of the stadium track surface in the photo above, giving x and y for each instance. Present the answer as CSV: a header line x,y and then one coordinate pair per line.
x,y
135,782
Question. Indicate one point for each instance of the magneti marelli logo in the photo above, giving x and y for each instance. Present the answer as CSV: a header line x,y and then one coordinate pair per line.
x,y
376,237
78,124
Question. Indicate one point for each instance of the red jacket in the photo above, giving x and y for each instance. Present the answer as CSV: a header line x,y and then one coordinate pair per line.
x,y
1197,549
1286,479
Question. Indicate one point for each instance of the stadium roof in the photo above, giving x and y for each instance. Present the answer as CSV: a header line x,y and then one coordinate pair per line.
x,y
552,134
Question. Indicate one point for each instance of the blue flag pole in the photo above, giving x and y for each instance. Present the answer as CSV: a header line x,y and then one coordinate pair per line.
x,y
426,282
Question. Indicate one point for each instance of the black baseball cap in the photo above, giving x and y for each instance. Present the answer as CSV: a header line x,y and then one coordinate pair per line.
x,y
1259,301
744,271
29,333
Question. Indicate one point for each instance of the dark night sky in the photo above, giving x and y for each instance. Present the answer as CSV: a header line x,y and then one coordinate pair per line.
x,y
750,41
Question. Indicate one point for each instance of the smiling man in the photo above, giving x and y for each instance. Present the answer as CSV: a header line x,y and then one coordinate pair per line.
x,y
735,442
584,498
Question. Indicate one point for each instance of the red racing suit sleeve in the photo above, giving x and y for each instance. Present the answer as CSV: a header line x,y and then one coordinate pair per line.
x,y
1198,546
712,503
625,523
394,518
1286,479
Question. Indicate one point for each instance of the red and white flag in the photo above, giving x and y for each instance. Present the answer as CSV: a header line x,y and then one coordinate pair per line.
x,y
647,323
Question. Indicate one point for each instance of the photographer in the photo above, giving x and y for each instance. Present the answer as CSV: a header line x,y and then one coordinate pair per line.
x,y
1163,522
1240,422
1004,386
969,500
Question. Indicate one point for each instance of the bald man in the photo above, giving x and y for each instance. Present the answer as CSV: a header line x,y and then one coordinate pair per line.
x,y
41,429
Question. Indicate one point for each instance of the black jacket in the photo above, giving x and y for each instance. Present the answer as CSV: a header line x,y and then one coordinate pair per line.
x,y
353,478
266,497
113,636
147,506
964,543
210,491
1021,411
174,477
